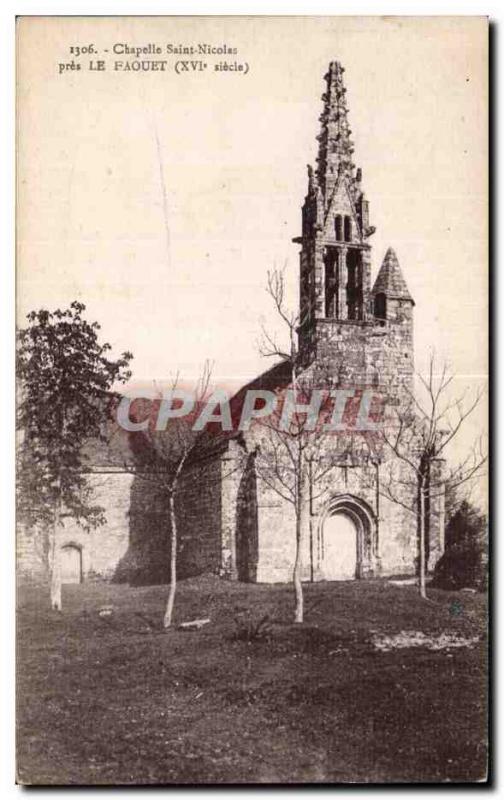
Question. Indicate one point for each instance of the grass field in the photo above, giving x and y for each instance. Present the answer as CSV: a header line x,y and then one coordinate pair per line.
x,y
118,700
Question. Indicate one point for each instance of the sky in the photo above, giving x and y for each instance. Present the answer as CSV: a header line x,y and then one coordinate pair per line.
x,y
160,200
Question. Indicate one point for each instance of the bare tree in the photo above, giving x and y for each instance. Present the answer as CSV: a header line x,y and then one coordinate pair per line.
x,y
290,444
415,436
163,454
164,448
296,449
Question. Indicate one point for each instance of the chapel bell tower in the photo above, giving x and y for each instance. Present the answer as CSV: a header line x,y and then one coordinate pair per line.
x,y
335,274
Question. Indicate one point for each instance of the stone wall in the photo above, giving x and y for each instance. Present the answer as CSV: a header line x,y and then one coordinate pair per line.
x,y
146,558
101,549
199,515
230,523
369,354
393,544
276,537
247,523
31,553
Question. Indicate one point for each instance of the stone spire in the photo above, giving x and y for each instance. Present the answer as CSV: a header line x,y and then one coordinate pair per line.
x,y
390,280
335,144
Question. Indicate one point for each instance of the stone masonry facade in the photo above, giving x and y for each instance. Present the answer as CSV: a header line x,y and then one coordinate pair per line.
x,y
233,524
361,334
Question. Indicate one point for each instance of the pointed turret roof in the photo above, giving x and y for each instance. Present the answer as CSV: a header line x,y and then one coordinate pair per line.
x,y
335,144
390,280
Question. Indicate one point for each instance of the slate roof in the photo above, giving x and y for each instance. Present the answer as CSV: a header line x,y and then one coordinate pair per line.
x,y
390,280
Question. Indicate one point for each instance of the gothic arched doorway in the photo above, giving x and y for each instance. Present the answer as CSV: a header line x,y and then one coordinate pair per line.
x,y
71,564
339,561
346,536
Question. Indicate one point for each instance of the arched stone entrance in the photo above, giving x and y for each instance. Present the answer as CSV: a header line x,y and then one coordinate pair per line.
x,y
347,539
71,564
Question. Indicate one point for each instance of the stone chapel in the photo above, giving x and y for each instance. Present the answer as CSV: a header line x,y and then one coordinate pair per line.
x,y
230,522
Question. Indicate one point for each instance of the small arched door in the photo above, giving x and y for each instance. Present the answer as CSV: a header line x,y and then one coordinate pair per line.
x,y
339,562
71,564
347,539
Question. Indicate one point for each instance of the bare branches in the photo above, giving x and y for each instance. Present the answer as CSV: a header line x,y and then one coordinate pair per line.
x,y
269,346
420,433
160,454
286,453
276,290
462,415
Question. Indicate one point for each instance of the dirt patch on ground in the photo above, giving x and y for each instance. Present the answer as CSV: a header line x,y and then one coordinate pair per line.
x,y
443,641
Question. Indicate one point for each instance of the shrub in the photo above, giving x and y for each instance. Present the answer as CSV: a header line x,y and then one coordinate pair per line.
x,y
465,560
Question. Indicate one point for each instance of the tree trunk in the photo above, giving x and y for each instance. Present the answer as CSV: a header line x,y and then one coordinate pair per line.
x,y
421,555
296,577
173,563
173,541
301,539
55,561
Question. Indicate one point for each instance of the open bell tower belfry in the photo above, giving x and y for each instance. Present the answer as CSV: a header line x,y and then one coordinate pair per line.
x,y
335,270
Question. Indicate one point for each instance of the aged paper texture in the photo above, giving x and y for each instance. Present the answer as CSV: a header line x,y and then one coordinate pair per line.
x,y
252,494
